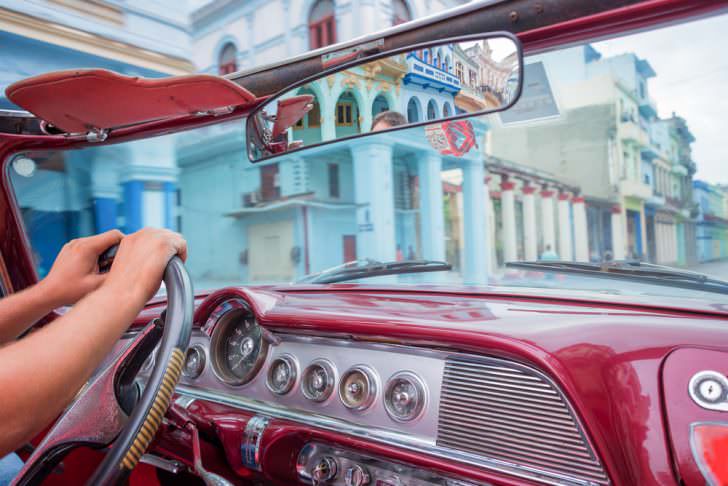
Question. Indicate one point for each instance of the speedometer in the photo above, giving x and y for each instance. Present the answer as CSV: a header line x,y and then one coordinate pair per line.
x,y
238,348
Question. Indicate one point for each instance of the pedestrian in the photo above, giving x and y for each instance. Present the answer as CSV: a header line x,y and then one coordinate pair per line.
x,y
399,256
388,119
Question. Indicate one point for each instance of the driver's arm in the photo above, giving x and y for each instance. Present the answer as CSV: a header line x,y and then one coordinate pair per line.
x,y
41,373
73,275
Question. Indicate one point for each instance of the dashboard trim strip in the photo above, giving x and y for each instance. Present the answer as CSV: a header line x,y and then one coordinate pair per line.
x,y
383,436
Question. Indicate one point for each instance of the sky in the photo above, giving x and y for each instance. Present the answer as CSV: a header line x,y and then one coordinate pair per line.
x,y
692,79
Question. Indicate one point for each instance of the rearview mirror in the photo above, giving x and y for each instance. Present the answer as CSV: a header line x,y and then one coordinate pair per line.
x,y
417,85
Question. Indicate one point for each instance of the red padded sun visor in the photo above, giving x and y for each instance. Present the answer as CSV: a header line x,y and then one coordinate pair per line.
x,y
77,101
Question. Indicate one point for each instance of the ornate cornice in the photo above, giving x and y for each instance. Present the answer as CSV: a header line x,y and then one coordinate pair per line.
x,y
52,33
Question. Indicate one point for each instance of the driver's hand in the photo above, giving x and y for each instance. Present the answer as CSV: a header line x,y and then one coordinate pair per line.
x,y
75,270
139,264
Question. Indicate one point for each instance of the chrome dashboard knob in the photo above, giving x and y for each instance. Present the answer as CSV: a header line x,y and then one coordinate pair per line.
x,y
324,470
357,475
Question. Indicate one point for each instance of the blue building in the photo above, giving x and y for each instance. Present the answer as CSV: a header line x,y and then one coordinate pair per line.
x,y
82,191
712,225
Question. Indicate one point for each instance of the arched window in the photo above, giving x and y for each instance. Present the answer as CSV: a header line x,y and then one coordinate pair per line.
x,y
446,110
227,63
380,104
321,24
400,12
446,64
413,110
426,56
347,115
431,110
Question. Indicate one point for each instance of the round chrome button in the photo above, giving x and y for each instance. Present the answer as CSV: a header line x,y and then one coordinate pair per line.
x,y
282,374
318,380
194,362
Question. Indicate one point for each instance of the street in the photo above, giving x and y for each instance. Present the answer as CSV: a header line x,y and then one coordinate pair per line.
x,y
717,269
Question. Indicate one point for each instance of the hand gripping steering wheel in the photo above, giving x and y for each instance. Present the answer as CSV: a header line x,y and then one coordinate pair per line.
x,y
111,411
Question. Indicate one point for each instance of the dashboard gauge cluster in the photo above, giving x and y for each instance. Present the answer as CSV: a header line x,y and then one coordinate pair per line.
x,y
237,347
235,360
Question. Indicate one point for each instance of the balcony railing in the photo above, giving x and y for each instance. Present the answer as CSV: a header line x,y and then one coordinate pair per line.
x,y
423,74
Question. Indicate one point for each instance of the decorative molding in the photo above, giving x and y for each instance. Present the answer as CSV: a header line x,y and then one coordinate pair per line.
x,y
55,34
96,9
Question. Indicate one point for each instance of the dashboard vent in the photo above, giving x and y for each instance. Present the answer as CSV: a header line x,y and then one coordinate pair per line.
x,y
515,418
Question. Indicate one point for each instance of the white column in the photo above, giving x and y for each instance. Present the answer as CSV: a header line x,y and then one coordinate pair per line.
x,y
432,218
374,197
530,238
490,216
564,227
617,233
547,218
508,213
474,223
581,236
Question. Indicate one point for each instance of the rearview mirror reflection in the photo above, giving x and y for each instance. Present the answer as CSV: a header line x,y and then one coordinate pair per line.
x,y
422,85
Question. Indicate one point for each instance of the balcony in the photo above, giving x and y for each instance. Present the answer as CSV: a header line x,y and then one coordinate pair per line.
x,y
426,76
631,132
636,189
648,107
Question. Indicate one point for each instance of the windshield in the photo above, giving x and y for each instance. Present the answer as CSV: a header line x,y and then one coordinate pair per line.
x,y
614,152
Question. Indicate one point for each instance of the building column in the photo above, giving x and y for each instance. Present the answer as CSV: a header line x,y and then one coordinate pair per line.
x,y
250,25
618,241
530,238
547,218
474,223
133,205
327,109
564,227
170,203
508,214
432,217
374,197
581,236
105,213
490,230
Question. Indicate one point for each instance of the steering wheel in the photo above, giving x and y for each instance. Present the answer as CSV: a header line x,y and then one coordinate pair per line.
x,y
111,410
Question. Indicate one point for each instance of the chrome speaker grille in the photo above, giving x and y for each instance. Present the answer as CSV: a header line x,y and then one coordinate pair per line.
x,y
514,417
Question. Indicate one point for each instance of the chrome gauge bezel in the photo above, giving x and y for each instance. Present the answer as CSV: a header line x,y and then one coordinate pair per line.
x,y
372,386
422,390
330,369
217,353
292,364
196,348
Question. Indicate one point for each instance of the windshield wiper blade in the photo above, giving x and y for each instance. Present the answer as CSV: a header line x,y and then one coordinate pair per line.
x,y
633,270
371,268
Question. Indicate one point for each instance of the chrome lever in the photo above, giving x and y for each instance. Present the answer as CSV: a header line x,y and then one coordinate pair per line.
x,y
210,478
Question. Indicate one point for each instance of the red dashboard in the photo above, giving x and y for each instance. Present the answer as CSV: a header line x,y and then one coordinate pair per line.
x,y
612,373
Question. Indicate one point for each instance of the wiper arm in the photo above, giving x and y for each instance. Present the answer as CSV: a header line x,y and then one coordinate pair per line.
x,y
631,270
371,268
